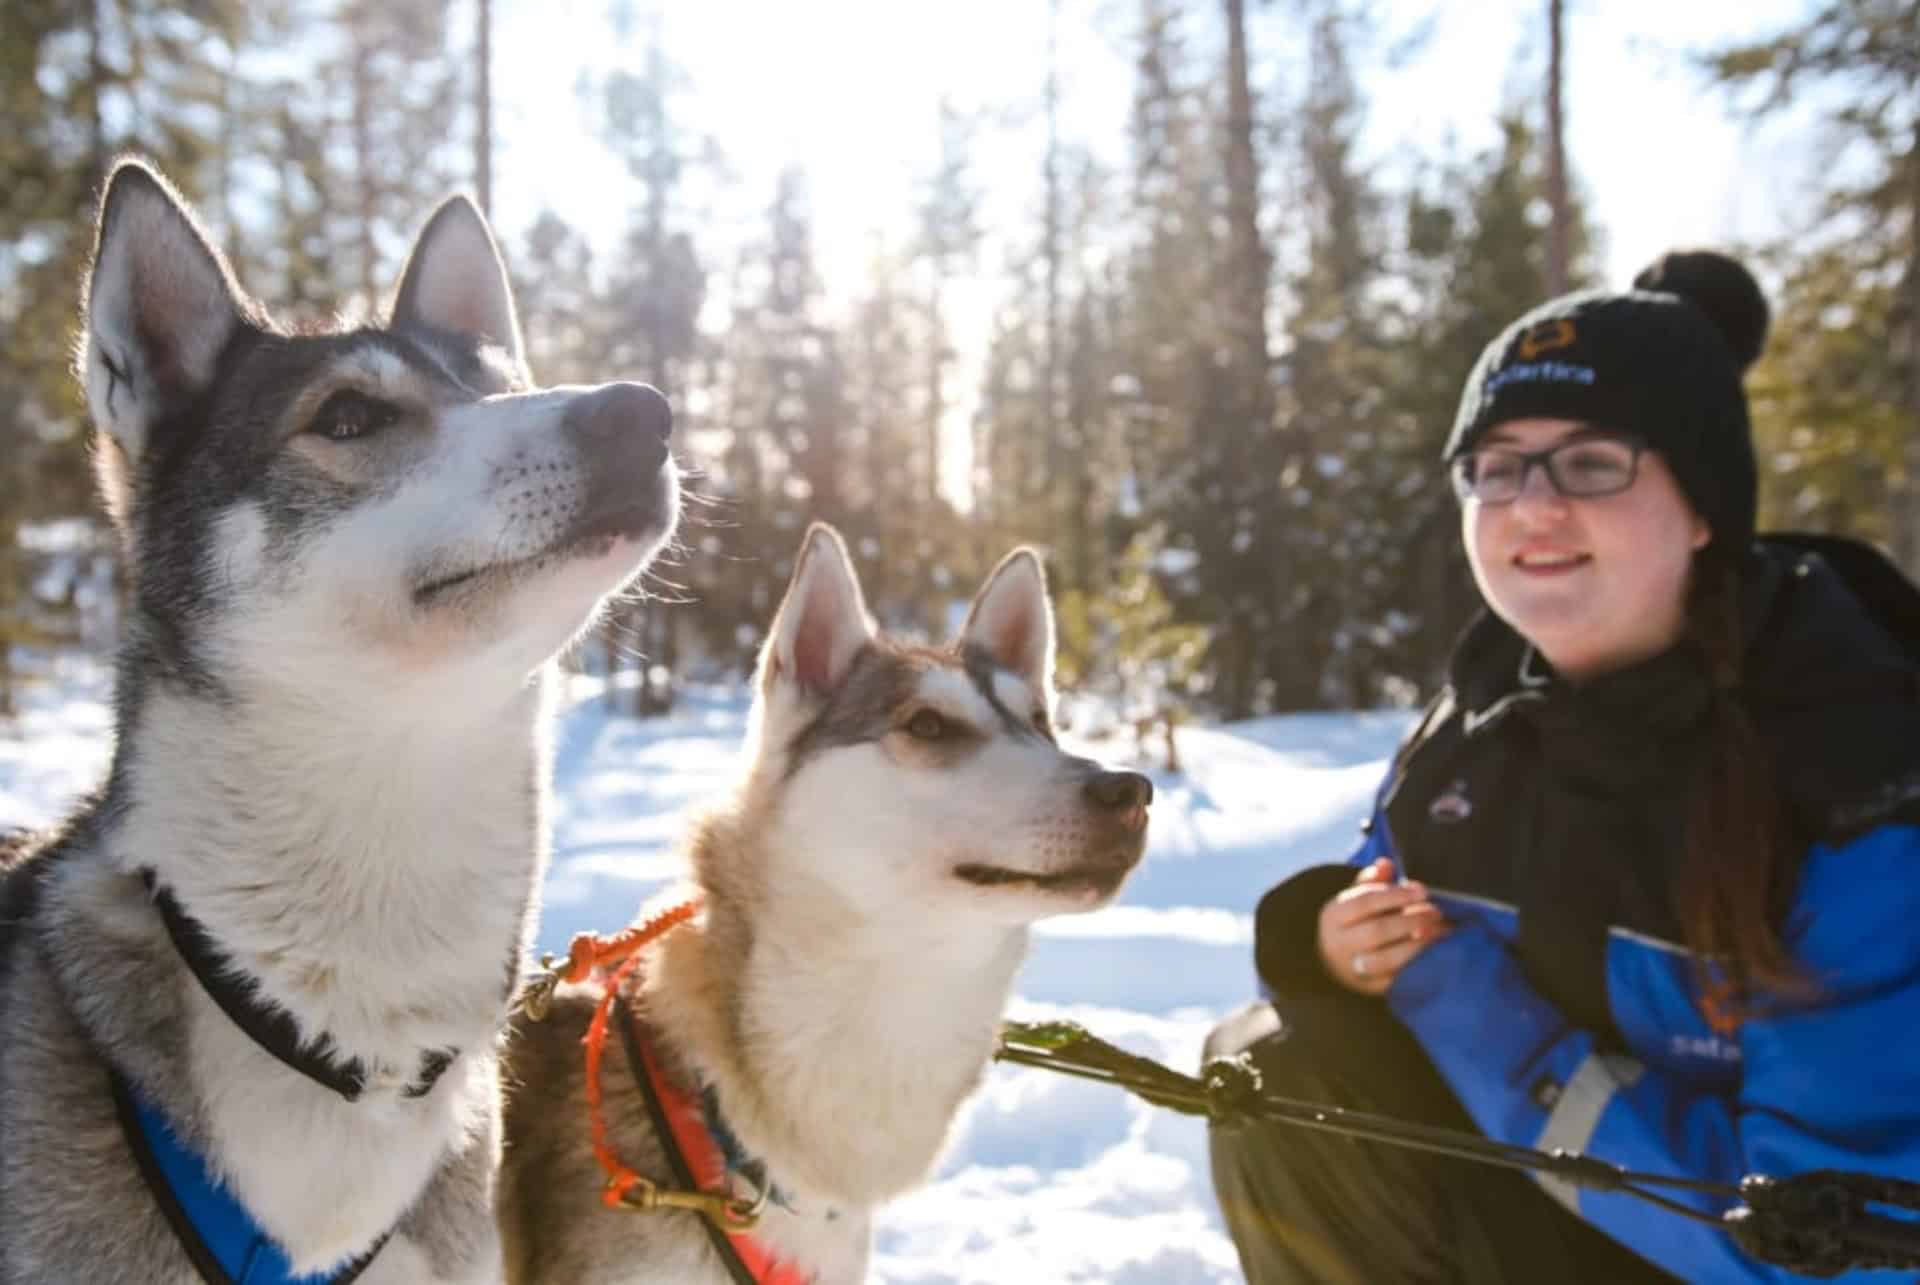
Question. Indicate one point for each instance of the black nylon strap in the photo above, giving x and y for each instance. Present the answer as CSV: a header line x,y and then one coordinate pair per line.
x,y
663,1129
271,1028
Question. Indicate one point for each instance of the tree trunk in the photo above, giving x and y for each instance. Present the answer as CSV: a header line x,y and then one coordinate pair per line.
x,y
640,630
97,78
361,77
610,657
936,393
483,111
1248,402
230,124
1906,524
669,657
1050,350
1247,257
1558,233
1081,402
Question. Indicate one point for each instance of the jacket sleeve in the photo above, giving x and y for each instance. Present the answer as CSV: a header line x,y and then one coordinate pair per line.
x,y
1286,927
1821,1086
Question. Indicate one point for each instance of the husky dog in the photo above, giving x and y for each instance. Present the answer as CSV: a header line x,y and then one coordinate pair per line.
x,y
280,941
902,816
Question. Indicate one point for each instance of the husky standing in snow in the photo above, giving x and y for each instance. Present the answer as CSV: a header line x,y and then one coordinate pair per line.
x,y
251,994
864,895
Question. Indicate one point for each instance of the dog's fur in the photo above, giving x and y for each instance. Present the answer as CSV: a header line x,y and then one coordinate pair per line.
x,y
351,556
902,816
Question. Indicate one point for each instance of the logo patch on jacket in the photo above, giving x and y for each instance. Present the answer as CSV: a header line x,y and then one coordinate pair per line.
x,y
1451,805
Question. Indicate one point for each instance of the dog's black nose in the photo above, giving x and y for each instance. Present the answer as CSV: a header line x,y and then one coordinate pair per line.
x,y
634,419
1120,790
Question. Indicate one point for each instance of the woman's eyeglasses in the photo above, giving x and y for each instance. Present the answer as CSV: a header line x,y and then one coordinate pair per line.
x,y
1581,468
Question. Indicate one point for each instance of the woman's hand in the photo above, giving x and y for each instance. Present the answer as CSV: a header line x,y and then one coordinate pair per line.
x,y
1370,931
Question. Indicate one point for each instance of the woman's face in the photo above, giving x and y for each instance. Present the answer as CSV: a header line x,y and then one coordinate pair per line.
x,y
1596,583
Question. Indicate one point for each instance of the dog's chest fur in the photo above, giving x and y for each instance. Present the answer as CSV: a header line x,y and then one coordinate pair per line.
x,y
827,1062
394,948
552,1223
69,1192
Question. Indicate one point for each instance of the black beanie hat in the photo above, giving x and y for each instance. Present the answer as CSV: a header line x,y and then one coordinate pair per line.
x,y
1662,362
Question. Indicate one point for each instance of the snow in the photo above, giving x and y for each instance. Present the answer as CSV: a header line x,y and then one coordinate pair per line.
x,y
1046,1178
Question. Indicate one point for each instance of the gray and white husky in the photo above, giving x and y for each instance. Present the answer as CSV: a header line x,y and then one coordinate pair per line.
x,y
288,924
902,816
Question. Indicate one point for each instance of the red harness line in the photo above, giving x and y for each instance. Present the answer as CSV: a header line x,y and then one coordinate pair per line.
x,y
688,1123
684,1117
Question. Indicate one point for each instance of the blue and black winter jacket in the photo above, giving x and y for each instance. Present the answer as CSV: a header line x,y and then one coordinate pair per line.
x,y
1563,1010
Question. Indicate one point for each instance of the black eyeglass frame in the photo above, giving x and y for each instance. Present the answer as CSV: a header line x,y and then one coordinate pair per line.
x,y
1545,461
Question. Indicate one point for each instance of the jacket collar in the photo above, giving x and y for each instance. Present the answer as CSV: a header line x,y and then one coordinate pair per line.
x,y
1831,688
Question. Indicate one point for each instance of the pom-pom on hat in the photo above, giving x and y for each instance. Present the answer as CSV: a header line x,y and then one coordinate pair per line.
x,y
1662,362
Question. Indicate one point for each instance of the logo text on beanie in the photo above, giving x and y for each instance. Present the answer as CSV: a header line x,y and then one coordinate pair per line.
x,y
1553,372
1548,336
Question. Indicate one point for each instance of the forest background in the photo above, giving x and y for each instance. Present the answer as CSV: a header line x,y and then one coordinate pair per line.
x,y
1180,291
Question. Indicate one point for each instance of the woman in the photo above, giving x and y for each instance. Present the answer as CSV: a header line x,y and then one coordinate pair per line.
x,y
1643,883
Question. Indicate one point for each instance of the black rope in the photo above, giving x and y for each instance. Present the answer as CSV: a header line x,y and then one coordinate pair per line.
x,y
1817,1224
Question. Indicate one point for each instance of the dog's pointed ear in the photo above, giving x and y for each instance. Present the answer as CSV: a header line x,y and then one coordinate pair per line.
x,y
1012,619
455,281
822,623
160,306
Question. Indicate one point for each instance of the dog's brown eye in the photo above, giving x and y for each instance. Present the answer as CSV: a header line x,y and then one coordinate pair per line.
x,y
928,726
1041,723
348,415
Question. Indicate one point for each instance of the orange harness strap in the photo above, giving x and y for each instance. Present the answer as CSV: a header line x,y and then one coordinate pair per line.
x,y
686,1129
691,1135
588,954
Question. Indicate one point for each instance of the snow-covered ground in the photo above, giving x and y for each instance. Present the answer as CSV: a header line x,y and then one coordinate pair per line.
x,y
1047,1179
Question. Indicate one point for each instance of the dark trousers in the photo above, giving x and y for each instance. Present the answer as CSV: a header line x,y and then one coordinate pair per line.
x,y
1307,1206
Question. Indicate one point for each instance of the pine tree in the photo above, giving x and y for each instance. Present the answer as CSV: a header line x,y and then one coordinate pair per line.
x,y
884,448
1828,406
1187,425
1861,260
1123,643
946,245
1326,560
1475,257
559,302
649,310
342,150
777,405
79,82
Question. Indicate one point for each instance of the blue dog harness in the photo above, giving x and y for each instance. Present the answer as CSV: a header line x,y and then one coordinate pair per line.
x,y
225,1244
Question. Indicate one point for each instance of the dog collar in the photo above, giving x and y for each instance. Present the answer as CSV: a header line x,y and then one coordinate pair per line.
x,y
733,1153
685,1128
268,1025
219,1236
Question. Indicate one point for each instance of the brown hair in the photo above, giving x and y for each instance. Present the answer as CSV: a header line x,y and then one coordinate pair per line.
x,y
1742,849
